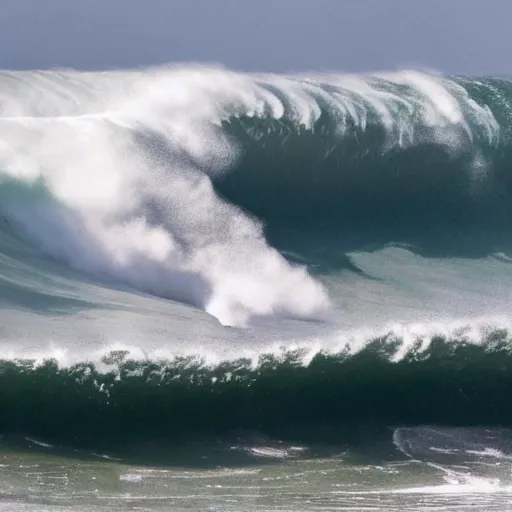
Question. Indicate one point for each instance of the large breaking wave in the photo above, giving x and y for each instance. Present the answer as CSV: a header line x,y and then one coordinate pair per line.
x,y
161,178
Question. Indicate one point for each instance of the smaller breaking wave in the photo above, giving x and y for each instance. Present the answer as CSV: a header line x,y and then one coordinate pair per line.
x,y
448,381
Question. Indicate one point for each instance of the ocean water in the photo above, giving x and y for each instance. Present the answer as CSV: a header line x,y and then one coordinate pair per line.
x,y
228,291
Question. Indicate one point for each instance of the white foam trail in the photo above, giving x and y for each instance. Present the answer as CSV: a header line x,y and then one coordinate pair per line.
x,y
38,443
111,172
473,485
456,481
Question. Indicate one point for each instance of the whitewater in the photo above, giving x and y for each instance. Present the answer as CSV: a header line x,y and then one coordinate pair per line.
x,y
284,267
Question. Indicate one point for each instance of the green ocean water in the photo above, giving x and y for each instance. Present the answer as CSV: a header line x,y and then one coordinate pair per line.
x,y
277,477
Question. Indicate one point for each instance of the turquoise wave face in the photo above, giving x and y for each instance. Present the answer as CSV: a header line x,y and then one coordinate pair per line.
x,y
395,170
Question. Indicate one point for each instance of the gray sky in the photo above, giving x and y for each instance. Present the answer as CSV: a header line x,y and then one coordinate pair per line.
x,y
458,36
